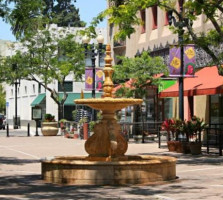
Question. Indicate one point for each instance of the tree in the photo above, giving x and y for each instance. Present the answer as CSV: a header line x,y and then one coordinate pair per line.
x,y
45,58
2,99
124,14
27,16
63,13
141,71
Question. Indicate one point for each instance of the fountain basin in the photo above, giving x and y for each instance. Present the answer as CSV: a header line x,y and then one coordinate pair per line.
x,y
80,170
109,103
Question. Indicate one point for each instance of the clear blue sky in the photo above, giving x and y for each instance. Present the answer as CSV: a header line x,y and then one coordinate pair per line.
x,y
87,9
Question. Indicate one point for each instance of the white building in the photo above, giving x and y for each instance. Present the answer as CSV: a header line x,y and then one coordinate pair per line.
x,y
30,94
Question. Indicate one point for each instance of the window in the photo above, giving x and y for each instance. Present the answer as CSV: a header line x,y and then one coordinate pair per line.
x,y
68,86
143,18
34,89
25,90
39,88
154,13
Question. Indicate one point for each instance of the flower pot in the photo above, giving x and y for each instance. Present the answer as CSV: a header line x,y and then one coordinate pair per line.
x,y
171,146
195,148
49,128
186,147
178,147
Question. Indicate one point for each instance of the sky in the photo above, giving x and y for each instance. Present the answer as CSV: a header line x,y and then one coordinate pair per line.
x,y
87,9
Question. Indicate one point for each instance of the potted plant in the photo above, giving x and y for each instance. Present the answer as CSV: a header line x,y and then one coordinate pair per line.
x,y
168,126
195,136
49,126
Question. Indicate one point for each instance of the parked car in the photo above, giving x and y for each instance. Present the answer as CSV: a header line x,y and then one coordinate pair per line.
x,y
2,121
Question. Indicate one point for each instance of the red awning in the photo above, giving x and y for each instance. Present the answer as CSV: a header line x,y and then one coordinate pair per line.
x,y
207,81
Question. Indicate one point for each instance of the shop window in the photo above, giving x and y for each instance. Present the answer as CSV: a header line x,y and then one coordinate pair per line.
x,y
143,18
67,85
216,109
154,13
168,108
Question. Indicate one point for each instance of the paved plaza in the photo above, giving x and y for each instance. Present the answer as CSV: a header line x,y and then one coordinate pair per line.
x,y
199,177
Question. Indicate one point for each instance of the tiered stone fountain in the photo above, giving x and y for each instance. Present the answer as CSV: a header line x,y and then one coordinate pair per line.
x,y
107,163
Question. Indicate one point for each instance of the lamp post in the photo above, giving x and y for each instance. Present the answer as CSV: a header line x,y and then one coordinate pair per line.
x,y
93,53
181,23
16,83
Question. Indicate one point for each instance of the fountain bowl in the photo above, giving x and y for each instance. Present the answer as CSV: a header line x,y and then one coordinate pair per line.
x,y
123,170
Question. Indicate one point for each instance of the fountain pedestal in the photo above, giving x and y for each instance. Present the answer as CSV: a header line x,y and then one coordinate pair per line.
x,y
106,163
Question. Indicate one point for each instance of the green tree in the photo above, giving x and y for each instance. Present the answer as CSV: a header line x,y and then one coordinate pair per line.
x,y
63,13
45,58
124,14
142,71
25,16
2,99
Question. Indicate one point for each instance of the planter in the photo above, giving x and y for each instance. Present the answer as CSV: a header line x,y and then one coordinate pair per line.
x,y
186,147
49,128
171,146
195,148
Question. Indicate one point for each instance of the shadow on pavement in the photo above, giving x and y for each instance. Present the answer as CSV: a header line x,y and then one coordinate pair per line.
x,y
16,161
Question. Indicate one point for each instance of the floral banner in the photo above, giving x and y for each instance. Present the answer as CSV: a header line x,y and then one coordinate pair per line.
x,y
175,61
89,79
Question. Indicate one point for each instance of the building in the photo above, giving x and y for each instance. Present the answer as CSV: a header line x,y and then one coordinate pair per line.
x,y
30,94
154,36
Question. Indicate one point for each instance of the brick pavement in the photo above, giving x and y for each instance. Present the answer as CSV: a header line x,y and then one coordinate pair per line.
x,y
199,177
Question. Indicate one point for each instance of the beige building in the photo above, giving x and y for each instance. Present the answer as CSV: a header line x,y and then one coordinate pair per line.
x,y
155,36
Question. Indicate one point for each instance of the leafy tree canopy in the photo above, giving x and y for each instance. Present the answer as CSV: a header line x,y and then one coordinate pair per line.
x,y
124,14
27,16
44,58
139,70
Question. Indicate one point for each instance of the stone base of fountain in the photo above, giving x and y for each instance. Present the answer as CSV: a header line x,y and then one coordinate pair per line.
x,y
121,170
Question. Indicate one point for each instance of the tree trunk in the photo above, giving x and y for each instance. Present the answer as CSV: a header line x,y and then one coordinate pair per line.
x,y
60,112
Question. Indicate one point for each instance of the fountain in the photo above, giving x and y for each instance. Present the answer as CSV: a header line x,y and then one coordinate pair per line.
x,y
107,163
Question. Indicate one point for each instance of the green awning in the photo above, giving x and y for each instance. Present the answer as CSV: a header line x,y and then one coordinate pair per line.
x,y
72,96
164,84
38,99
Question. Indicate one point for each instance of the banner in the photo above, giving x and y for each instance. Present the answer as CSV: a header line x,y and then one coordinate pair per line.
x,y
89,79
175,61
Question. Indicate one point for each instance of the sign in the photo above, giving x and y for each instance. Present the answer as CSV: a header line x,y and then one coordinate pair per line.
x,y
36,113
175,61
7,104
89,79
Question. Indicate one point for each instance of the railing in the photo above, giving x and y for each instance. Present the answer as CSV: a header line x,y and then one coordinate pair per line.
x,y
214,138
140,130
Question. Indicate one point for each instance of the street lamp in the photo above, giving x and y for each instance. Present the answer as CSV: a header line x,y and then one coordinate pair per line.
x,y
16,83
93,53
181,23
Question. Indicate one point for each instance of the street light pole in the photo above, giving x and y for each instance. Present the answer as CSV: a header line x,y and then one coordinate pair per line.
x,y
182,22
16,89
94,53
14,67
181,78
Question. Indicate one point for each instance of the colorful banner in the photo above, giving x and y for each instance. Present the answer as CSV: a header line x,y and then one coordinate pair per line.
x,y
89,78
175,61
